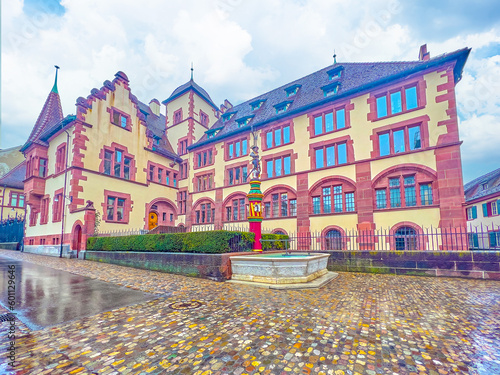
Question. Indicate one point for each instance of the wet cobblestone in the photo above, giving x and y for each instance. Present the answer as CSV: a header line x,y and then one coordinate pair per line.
x,y
357,324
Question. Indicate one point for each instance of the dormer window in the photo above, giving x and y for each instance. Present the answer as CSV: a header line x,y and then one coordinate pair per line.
x,y
335,73
212,133
292,90
227,116
243,121
331,89
282,107
484,186
257,104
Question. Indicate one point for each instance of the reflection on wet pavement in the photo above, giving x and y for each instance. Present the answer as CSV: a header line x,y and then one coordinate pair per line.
x,y
45,296
357,324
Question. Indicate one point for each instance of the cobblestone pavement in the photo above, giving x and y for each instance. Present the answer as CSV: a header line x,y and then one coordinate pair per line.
x,y
357,324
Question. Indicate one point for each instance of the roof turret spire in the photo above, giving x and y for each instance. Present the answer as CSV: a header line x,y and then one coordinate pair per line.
x,y
54,89
192,70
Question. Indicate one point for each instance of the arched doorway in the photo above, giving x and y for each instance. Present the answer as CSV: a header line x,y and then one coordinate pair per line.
x,y
405,238
152,220
333,240
77,238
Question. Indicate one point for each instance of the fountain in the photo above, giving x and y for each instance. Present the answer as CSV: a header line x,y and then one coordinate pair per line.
x,y
275,270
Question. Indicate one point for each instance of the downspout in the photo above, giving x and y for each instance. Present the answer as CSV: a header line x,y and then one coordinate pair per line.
x,y
64,193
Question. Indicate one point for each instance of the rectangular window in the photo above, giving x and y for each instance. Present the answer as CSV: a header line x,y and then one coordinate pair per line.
x,y
242,209
318,125
276,207
284,204
330,156
337,198
411,97
123,121
396,105
244,147
108,161
235,210
151,172
269,140
277,137
414,135
238,149
287,165
327,200
426,195
342,151
42,170
286,134
384,146
494,208
349,202
382,106
20,203
316,205
293,207
340,117
118,163
410,194
270,168
328,122
231,150
244,173
267,209
395,193
278,167
399,141
381,198
13,199
319,158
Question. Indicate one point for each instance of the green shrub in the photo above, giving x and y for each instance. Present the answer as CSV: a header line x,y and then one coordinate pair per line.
x,y
275,244
219,241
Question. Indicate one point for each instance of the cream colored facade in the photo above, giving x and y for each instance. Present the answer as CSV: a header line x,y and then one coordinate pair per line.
x,y
196,143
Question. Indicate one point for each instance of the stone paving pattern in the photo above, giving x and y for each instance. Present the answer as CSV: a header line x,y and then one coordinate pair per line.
x,y
357,324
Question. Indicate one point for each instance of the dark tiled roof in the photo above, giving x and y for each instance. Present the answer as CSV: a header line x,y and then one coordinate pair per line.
x,y
156,124
190,85
473,189
50,115
355,77
14,179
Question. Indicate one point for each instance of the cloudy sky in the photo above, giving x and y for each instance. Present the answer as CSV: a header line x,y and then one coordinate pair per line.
x,y
240,48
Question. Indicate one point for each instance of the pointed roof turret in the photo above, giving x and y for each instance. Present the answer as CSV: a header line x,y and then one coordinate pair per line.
x,y
50,115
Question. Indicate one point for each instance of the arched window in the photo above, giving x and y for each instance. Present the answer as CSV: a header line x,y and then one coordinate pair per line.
x,y
405,186
279,202
405,238
235,207
204,212
333,240
332,195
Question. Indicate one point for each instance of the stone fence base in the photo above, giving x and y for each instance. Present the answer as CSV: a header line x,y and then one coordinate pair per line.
x,y
466,264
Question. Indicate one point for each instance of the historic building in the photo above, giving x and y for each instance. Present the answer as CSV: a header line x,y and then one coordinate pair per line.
x,y
482,207
12,204
351,146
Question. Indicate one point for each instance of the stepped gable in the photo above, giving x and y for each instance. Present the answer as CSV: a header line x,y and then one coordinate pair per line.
x,y
50,115
355,77
14,178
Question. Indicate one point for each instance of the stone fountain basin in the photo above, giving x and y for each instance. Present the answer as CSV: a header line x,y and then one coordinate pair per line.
x,y
279,268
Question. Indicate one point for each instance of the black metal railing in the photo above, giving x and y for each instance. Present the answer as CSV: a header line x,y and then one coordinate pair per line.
x,y
12,230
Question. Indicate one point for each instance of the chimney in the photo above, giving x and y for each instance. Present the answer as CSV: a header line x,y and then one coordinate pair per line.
x,y
423,55
154,105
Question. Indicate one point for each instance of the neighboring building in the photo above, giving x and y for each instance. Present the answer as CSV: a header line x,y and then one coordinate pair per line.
x,y
352,146
482,208
9,159
12,192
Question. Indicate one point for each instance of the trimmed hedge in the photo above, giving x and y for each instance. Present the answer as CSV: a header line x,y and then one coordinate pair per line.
x,y
275,245
210,242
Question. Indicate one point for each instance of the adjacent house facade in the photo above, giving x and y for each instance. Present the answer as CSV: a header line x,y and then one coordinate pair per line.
x,y
352,146
482,209
12,203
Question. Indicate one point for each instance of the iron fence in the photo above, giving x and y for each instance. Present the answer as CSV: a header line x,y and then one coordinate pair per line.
x,y
12,230
406,238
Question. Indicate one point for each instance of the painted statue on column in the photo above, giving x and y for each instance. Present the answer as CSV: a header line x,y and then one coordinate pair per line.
x,y
255,197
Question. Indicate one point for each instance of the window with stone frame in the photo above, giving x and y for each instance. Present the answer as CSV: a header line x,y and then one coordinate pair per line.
x,y
280,203
236,208
117,163
333,197
204,212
